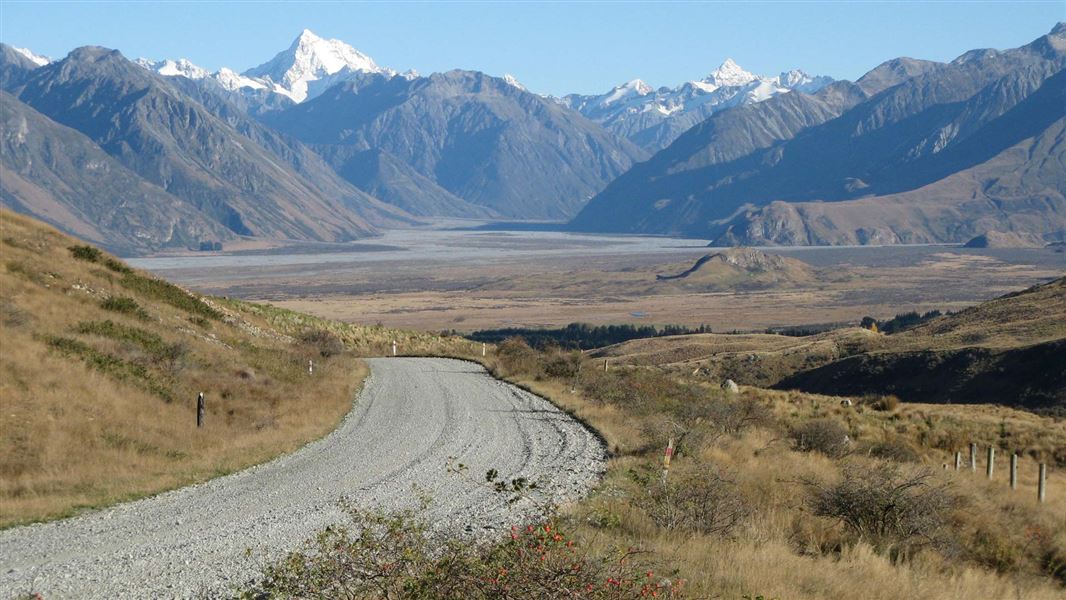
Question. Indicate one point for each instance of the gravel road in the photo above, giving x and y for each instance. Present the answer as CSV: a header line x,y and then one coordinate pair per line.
x,y
411,417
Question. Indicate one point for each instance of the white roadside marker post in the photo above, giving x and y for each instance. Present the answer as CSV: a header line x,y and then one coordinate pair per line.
x,y
991,462
483,349
310,367
394,347
1014,471
606,361
1041,484
666,458
973,457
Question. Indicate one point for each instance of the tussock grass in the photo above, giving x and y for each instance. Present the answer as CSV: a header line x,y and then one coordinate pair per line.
x,y
749,524
99,371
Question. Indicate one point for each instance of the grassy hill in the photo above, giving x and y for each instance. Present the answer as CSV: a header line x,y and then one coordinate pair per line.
x,y
1007,351
100,366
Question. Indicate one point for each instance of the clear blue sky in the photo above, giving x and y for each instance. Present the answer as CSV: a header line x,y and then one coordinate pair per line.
x,y
551,47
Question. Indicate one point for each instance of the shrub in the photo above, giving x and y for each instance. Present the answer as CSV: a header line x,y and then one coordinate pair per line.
x,y
325,343
822,435
563,365
517,357
383,556
124,305
887,402
117,265
113,366
168,293
706,503
86,253
886,505
895,449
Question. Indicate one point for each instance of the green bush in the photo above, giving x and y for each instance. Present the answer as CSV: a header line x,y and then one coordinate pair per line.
x,y
168,293
111,365
86,253
124,305
155,346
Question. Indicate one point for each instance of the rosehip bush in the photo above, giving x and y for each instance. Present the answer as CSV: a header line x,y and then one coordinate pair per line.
x,y
382,556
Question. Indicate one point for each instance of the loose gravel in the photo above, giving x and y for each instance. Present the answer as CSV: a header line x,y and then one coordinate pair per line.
x,y
414,417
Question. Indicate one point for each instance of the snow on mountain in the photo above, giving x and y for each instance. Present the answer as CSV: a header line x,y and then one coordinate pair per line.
x,y
233,81
730,74
627,91
513,81
36,59
633,108
174,68
307,68
312,59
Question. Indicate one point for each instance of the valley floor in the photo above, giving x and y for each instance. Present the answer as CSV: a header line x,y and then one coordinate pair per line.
x,y
467,280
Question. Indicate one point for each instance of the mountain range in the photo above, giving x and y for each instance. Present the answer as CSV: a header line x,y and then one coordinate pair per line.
x,y
653,118
322,144
912,152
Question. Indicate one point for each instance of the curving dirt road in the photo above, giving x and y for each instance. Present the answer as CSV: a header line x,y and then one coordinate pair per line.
x,y
412,416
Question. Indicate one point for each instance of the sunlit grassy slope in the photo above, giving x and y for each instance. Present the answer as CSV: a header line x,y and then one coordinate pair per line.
x,y
100,366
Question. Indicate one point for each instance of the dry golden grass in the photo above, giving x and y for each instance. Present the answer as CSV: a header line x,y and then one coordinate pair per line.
x,y
783,550
98,406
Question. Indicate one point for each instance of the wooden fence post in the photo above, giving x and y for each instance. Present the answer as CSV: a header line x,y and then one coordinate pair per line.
x,y
1041,486
1014,471
958,460
973,456
991,466
605,362
200,410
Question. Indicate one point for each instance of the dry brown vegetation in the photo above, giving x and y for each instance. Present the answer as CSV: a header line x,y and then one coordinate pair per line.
x,y
749,510
100,366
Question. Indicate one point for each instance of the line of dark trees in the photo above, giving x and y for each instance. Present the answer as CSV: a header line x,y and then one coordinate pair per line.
x,y
902,321
583,336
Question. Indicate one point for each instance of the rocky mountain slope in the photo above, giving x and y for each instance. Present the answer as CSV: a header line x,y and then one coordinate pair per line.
x,y
653,118
60,175
912,152
218,162
481,138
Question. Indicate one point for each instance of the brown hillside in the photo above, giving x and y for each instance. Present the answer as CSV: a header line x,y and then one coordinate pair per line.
x,y
100,366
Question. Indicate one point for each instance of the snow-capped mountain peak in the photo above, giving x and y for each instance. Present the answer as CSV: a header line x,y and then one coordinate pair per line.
x,y
797,79
233,81
36,59
174,68
730,74
630,89
311,58
513,81
654,118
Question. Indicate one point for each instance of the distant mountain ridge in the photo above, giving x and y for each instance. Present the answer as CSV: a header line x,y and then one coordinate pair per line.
x,y
308,67
653,118
231,171
457,144
480,138
913,152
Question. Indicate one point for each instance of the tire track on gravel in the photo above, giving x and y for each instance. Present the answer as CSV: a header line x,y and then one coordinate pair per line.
x,y
412,416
